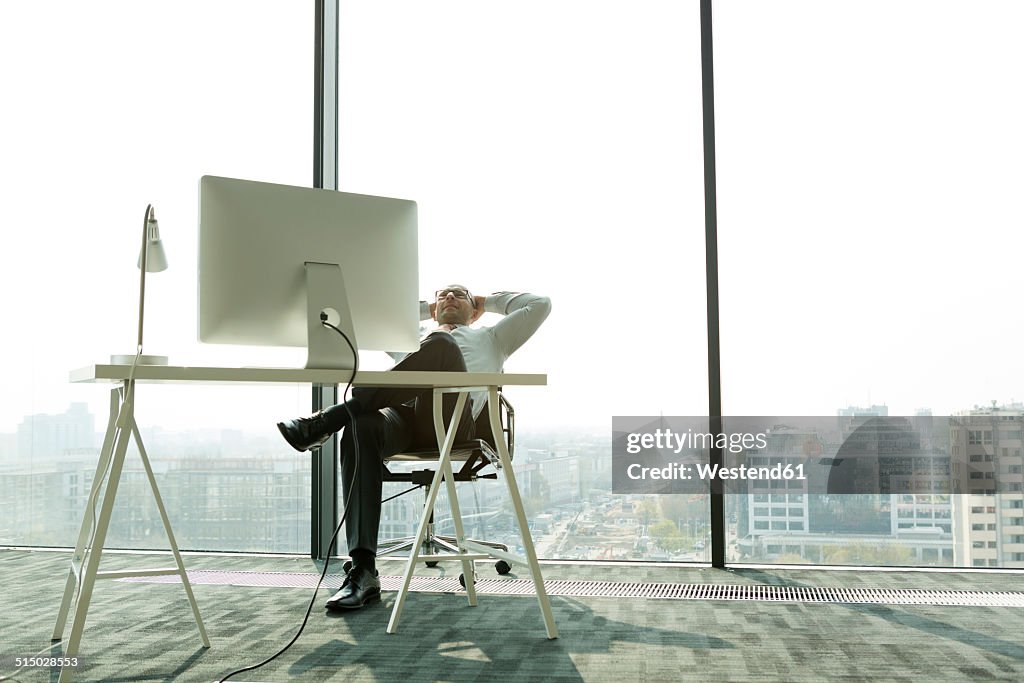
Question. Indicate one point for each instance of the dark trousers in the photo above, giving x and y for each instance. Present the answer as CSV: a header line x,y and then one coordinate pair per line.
x,y
392,420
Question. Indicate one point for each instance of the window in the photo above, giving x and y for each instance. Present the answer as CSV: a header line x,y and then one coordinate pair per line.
x,y
790,162
591,141
519,148
166,92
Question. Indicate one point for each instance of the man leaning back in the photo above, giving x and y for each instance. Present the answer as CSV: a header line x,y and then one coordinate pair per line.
x,y
393,420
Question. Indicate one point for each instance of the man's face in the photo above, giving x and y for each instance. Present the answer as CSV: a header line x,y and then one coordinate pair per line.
x,y
455,306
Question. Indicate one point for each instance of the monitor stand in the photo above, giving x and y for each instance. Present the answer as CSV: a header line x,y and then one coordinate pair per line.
x,y
326,299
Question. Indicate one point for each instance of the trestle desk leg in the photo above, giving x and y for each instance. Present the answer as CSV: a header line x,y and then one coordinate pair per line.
x,y
435,485
517,503
468,567
124,432
83,535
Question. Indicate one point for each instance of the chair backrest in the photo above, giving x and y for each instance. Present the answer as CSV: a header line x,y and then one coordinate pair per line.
x,y
483,431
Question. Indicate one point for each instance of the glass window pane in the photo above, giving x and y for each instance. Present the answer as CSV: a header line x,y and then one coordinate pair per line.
x,y
112,106
869,232
554,147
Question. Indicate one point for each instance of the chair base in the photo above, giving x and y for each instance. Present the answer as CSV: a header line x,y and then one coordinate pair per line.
x,y
445,547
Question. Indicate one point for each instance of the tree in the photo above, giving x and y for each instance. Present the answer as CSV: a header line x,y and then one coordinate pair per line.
x,y
666,535
648,511
868,555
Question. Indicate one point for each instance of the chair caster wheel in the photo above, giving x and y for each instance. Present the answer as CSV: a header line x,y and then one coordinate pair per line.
x,y
502,567
431,564
462,580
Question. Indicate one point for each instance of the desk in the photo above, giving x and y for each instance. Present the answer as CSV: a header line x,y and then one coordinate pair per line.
x,y
168,374
121,428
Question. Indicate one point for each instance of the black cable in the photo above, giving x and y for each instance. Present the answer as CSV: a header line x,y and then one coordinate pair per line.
x,y
414,488
344,512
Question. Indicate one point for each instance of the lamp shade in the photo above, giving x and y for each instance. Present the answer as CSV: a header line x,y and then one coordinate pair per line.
x,y
156,259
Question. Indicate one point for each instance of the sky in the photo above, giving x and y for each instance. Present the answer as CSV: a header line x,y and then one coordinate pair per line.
x,y
868,159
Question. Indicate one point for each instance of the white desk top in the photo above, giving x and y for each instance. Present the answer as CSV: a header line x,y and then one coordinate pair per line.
x,y
171,374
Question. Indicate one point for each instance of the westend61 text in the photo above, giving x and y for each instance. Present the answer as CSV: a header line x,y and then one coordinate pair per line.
x,y
708,472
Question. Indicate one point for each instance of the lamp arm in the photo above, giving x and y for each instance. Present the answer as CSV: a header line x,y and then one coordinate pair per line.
x,y
142,272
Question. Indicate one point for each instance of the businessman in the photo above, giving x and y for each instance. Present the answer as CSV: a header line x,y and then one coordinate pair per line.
x,y
390,420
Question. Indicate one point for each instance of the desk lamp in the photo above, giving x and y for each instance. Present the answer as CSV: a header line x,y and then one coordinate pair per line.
x,y
152,259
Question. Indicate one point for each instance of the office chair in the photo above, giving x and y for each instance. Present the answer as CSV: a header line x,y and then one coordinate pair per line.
x,y
476,456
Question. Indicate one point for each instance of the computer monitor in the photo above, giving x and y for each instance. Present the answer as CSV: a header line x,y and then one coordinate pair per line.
x,y
276,260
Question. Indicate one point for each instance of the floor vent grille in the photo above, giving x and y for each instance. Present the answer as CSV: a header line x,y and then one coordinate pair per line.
x,y
619,589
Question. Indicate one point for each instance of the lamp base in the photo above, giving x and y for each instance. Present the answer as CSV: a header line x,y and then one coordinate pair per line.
x,y
128,359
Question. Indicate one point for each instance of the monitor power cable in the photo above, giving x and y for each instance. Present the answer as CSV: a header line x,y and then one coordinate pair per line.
x,y
344,512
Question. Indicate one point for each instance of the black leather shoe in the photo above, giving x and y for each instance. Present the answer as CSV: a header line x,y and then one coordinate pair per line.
x,y
361,587
305,433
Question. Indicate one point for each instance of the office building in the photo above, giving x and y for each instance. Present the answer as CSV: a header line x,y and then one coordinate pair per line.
x,y
50,436
989,458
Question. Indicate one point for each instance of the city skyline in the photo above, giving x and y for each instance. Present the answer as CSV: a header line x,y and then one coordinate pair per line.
x,y
212,477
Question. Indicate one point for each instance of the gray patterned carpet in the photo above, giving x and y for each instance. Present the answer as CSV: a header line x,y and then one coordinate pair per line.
x,y
145,632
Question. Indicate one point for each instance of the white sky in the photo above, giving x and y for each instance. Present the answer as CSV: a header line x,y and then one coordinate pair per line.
x,y
869,181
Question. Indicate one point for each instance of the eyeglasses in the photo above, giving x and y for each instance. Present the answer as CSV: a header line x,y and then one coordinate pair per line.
x,y
456,292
